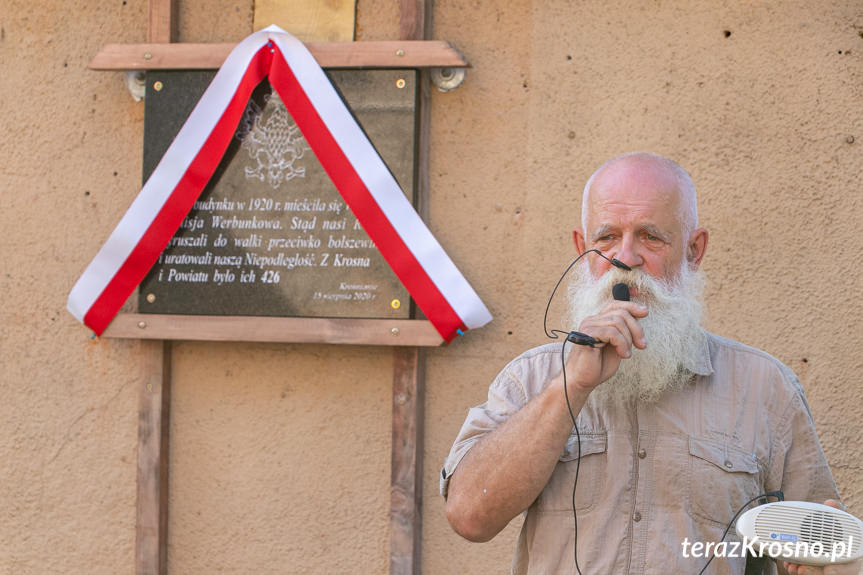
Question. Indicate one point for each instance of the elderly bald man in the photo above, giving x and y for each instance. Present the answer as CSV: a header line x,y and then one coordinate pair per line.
x,y
678,427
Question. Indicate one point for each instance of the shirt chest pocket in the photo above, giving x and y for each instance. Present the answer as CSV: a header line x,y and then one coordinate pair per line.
x,y
722,477
557,494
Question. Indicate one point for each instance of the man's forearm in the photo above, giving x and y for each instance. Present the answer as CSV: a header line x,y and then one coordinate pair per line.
x,y
505,471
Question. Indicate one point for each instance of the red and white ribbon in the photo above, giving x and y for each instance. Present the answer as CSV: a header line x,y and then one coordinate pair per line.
x,y
340,145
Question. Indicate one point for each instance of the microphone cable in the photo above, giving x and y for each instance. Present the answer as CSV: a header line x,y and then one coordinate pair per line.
x,y
577,462
578,338
777,494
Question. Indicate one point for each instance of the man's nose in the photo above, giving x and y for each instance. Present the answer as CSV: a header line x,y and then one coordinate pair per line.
x,y
628,253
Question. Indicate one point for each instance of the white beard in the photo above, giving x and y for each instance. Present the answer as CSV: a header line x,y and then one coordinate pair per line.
x,y
671,329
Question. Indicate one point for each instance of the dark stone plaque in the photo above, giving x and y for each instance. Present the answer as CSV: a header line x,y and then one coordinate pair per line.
x,y
270,235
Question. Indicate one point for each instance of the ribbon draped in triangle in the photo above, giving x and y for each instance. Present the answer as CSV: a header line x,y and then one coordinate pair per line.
x,y
343,150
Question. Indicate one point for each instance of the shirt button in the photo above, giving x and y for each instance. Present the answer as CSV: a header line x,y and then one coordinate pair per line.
x,y
728,464
642,453
636,516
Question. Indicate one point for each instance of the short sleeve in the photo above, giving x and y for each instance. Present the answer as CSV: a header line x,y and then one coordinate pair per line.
x,y
801,467
506,395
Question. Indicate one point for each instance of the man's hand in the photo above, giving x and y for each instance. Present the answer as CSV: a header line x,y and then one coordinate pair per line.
x,y
854,568
499,477
617,326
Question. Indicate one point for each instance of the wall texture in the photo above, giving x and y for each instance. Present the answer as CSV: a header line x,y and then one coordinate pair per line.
x,y
280,453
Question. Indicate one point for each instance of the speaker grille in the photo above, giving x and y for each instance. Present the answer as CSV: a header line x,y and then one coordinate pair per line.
x,y
778,522
819,526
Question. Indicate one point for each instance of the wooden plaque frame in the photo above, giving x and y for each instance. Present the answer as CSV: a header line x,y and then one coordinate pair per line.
x,y
412,50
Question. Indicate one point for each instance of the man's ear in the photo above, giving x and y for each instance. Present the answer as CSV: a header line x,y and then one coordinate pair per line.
x,y
578,239
697,246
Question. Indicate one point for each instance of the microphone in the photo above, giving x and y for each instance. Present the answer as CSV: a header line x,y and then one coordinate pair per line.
x,y
575,337
620,292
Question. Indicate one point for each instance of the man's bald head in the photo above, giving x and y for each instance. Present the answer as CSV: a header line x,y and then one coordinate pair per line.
x,y
637,165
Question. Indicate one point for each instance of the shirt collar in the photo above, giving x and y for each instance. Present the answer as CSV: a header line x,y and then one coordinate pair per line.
x,y
699,363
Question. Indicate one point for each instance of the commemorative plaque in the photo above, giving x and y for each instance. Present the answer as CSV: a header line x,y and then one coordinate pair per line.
x,y
270,235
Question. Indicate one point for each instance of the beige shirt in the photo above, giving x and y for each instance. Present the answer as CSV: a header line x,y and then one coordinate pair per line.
x,y
654,475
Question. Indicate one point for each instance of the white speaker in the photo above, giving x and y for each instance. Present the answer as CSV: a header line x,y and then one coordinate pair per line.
x,y
802,532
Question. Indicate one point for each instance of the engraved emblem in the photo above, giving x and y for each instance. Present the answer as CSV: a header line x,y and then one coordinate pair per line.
x,y
273,141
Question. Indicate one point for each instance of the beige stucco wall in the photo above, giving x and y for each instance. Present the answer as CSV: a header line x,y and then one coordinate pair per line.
x,y
280,453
